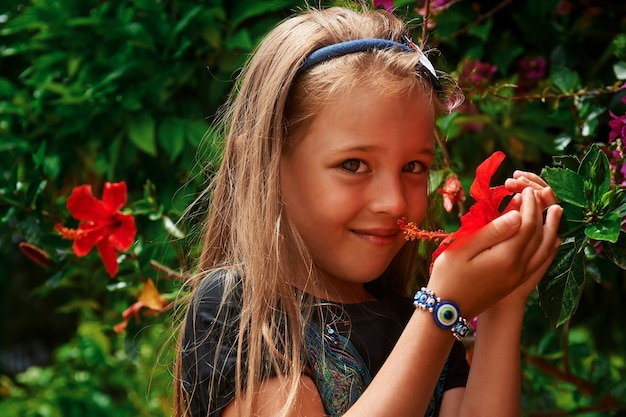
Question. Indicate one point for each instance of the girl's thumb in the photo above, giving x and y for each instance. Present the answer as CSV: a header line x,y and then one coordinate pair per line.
x,y
498,230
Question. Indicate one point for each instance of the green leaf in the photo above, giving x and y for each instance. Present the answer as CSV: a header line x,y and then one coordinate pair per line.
x,y
39,155
606,228
567,162
567,185
171,136
239,40
482,31
564,79
560,289
572,220
141,133
595,168
156,213
185,20
246,9
616,252
195,131
618,203
142,207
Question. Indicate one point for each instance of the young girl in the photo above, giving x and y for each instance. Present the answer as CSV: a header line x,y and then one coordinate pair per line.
x,y
300,307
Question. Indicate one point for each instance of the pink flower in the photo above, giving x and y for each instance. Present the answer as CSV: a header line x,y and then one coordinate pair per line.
x,y
618,127
617,163
477,72
386,4
533,68
436,4
452,191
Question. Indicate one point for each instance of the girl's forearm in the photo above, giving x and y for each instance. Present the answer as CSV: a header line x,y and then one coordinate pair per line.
x,y
494,383
405,383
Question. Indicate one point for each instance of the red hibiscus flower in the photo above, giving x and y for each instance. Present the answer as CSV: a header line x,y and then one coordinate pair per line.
x,y
484,210
101,223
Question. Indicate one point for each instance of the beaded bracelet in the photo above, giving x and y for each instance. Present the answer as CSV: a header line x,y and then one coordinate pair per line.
x,y
445,313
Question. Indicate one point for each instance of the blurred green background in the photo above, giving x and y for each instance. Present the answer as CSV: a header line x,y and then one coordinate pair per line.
x,y
113,90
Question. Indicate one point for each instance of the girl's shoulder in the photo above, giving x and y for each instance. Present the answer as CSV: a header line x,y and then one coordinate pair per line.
x,y
219,285
217,295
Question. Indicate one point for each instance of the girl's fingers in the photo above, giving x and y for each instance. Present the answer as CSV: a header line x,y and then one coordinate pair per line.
x,y
523,179
548,197
500,257
550,240
532,177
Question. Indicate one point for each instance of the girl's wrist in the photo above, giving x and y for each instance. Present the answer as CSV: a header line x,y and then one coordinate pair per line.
x,y
506,312
446,314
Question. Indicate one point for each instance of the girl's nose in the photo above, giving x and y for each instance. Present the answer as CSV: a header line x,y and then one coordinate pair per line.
x,y
388,195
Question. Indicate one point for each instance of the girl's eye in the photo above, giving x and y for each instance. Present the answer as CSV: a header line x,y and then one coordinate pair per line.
x,y
415,167
354,165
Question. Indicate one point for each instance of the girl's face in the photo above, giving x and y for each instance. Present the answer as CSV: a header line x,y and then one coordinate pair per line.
x,y
360,165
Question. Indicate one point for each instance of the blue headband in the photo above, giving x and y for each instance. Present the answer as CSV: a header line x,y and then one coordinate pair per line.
x,y
361,45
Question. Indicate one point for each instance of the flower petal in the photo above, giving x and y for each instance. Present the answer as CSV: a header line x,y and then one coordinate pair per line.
x,y
151,297
480,189
86,236
82,205
109,257
114,196
486,207
123,236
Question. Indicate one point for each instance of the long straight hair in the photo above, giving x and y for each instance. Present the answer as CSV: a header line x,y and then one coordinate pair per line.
x,y
246,230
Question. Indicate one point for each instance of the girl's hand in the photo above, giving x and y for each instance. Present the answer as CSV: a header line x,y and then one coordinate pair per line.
x,y
522,180
478,271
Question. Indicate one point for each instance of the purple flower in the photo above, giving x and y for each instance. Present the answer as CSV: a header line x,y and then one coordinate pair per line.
x,y
533,68
618,167
436,4
618,127
477,72
386,4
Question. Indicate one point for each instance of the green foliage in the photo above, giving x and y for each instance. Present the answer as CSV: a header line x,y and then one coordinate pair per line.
x,y
90,376
592,215
94,92
109,91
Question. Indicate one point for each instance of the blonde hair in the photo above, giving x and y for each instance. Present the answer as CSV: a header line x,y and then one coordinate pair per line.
x,y
246,230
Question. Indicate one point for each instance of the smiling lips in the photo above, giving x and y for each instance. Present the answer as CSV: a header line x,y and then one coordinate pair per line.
x,y
380,236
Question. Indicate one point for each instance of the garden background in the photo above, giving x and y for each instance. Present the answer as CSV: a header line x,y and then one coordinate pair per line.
x,y
124,91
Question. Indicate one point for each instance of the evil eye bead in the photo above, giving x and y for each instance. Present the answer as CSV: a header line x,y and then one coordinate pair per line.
x,y
446,314
425,299
461,329
431,303
420,299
